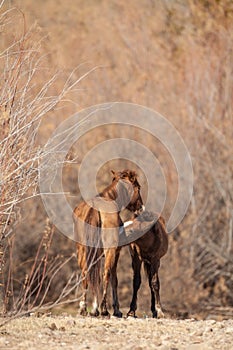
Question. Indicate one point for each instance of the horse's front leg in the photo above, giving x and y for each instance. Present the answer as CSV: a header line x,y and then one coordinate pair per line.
x,y
110,238
114,283
106,278
136,265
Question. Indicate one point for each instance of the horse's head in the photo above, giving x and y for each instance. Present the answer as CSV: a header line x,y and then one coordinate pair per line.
x,y
129,190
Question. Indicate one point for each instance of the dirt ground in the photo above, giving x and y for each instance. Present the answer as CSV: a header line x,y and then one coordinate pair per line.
x,y
57,332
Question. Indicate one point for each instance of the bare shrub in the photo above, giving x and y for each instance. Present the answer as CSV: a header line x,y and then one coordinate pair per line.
x,y
25,98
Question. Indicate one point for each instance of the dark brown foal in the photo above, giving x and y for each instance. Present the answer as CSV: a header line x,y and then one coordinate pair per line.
x,y
149,248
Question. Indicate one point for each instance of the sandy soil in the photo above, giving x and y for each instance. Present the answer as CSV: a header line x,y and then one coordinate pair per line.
x,y
56,332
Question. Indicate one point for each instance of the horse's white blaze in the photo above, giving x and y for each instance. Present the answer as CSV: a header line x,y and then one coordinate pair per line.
x,y
127,223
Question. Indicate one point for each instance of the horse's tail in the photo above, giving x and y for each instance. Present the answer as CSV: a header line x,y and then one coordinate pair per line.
x,y
93,259
87,234
94,252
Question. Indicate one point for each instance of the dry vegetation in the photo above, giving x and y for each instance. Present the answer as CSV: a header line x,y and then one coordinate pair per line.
x,y
173,56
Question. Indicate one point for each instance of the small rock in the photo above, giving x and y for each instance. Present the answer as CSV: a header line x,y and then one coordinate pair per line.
x,y
71,323
211,321
229,330
164,347
53,326
197,333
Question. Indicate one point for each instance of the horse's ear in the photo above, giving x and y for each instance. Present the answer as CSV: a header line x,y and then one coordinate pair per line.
x,y
114,174
133,176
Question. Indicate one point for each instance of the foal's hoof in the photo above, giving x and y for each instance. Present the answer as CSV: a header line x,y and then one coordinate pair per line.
x,y
131,313
158,314
118,314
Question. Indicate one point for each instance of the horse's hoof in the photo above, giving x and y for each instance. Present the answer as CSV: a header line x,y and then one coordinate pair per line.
x,y
154,314
131,314
118,314
83,312
94,313
105,313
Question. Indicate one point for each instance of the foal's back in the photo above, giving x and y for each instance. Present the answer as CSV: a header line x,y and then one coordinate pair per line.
x,y
153,244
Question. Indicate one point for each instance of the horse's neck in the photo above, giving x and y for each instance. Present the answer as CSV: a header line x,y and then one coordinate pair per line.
x,y
118,192
109,192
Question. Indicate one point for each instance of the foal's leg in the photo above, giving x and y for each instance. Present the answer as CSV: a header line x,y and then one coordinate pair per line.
x,y
136,265
114,282
155,286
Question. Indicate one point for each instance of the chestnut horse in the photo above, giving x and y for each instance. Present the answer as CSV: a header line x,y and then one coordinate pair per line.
x,y
150,246
97,225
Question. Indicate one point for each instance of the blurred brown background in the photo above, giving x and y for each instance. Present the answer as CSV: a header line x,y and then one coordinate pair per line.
x,y
175,57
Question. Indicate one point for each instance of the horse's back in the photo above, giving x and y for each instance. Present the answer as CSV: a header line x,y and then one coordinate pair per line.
x,y
86,225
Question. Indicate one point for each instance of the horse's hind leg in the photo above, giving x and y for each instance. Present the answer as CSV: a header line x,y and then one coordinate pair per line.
x,y
114,282
136,265
155,287
95,311
83,302
95,291
94,271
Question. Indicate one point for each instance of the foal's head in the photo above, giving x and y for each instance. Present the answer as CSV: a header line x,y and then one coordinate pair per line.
x,y
129,177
